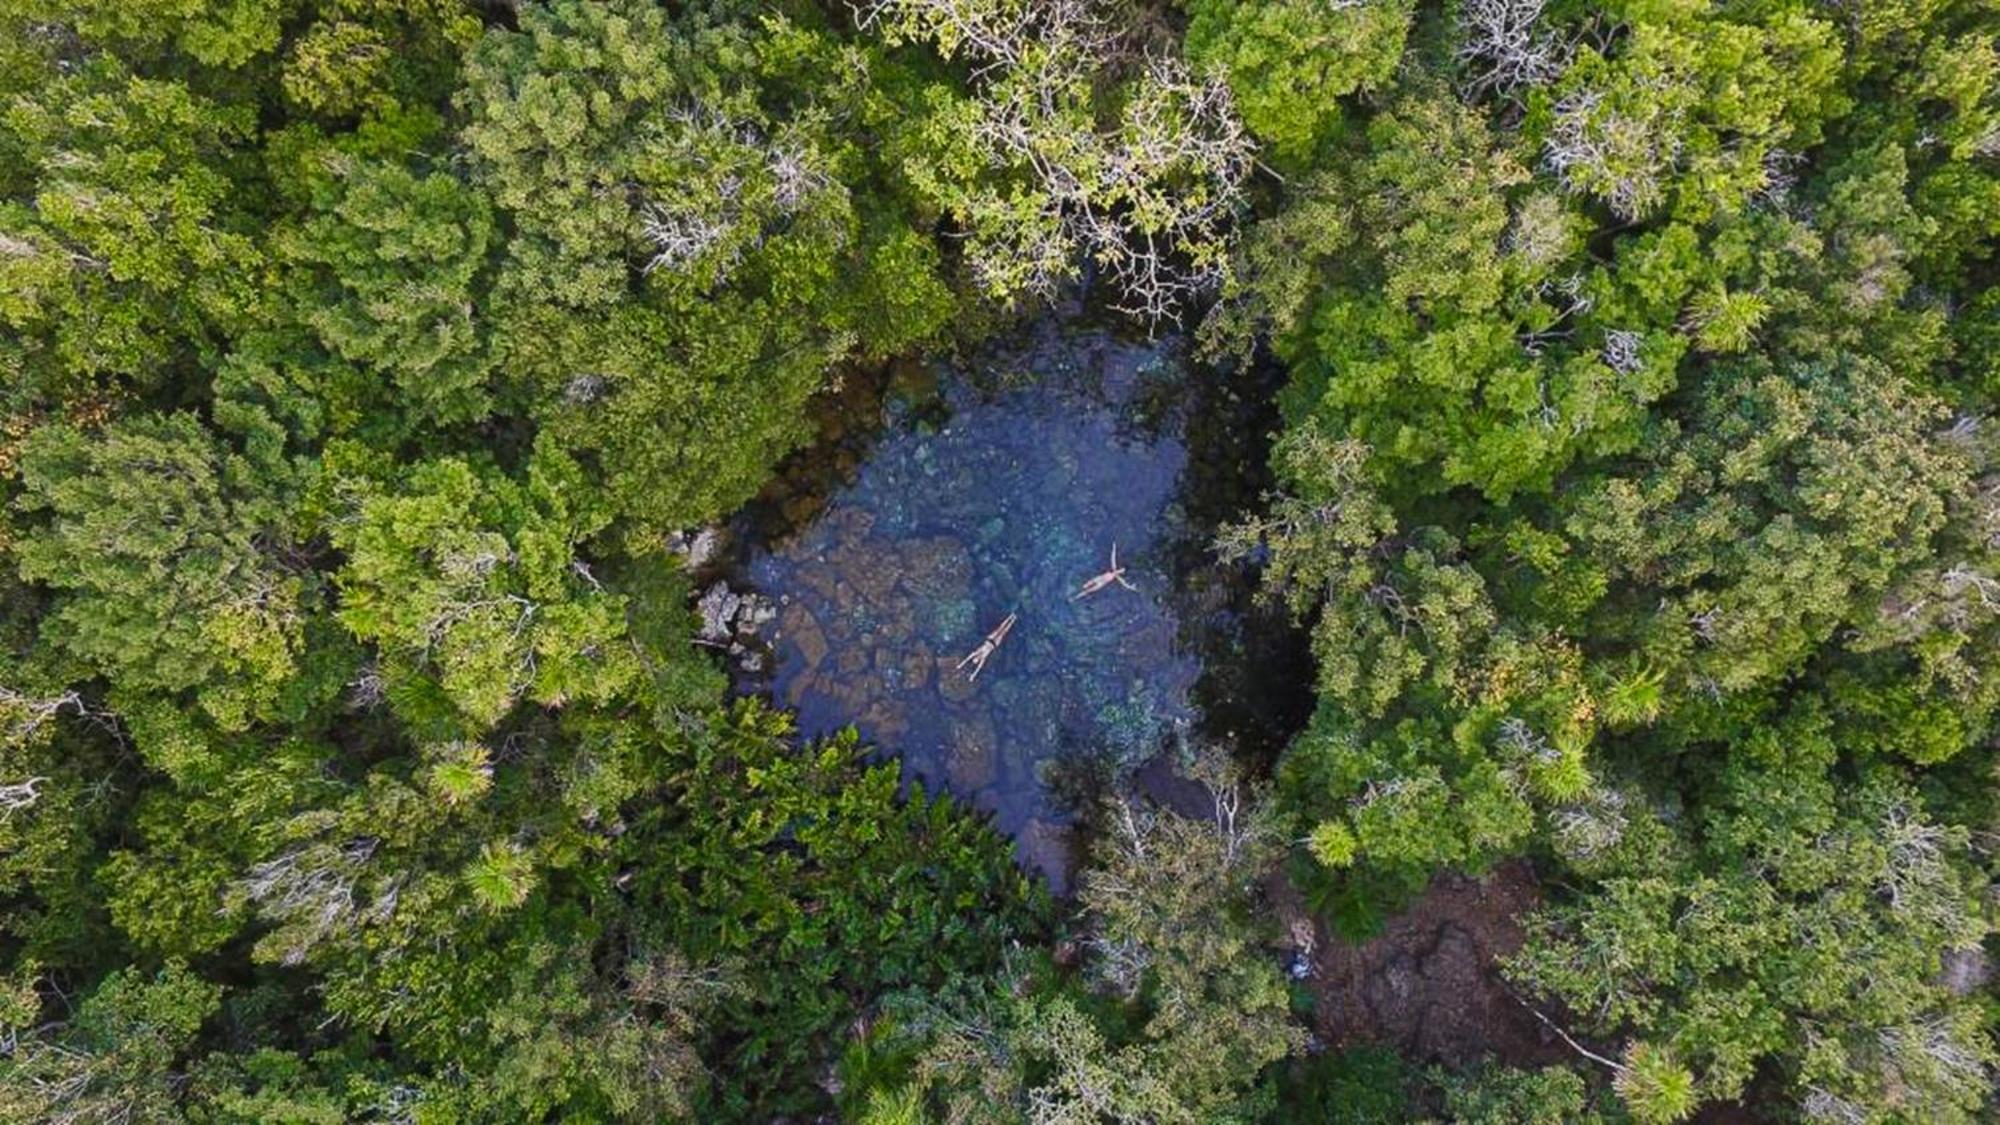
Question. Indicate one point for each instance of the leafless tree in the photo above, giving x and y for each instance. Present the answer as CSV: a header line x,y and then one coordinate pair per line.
x,y
1591,827
1821,1104
1505,47
396,1105
1175,184
1706,623
1538,232
1930,1053
311,891
680,237
993,32
1150,201
1621,350
22,716
1916,879
367,690
1570,299
19,795
1781,176
720,229
1520,739
1965,584
1610,152
793,177
587,387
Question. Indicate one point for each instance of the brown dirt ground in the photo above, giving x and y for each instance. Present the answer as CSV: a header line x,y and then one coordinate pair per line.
x,y
1429,984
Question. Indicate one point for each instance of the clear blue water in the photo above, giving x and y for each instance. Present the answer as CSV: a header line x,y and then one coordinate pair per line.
x,y
994,486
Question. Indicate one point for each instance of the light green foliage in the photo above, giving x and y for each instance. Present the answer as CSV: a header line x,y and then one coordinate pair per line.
x,y
1802,919
377,58
559,114
1399,613
218,35
1433,201
387,273
1407,800
169,551
116,1059
471,582
1169,895
1278,269
1332,844
1039,177
1858,265
121,249
1461,344
1686,107
1290,62
619,141
686,261
1656,1088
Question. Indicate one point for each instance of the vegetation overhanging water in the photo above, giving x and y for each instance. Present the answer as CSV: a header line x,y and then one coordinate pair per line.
x,y
953,495
372,376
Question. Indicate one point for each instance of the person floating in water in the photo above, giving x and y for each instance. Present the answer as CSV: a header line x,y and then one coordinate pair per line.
x,y
1115,574
978,656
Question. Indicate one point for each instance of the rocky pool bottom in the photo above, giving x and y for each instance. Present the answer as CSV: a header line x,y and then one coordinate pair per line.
x,y
953,503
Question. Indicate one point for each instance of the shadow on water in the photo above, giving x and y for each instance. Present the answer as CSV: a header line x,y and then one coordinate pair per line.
x,y
945,496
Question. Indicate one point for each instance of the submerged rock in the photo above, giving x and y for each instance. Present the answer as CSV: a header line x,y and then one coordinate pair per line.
x,y
799,627
972,762
953,684
1047,847
1040,460
936,568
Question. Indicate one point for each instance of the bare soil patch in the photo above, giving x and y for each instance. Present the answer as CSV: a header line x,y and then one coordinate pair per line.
x,y
1429,984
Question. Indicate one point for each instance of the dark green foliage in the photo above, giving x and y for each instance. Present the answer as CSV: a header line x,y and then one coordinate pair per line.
x,y
1362,1086
1802,915
1501,1095
1635,401
169,551
1175,1016
800,865
387,281
358,357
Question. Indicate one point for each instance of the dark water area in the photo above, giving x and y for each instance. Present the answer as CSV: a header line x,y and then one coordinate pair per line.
x,y
945,497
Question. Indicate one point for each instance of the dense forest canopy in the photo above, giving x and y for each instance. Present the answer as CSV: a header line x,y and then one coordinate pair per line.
x,y
364,362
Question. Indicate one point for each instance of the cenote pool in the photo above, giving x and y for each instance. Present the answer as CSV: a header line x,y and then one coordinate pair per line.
x,y
946,496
